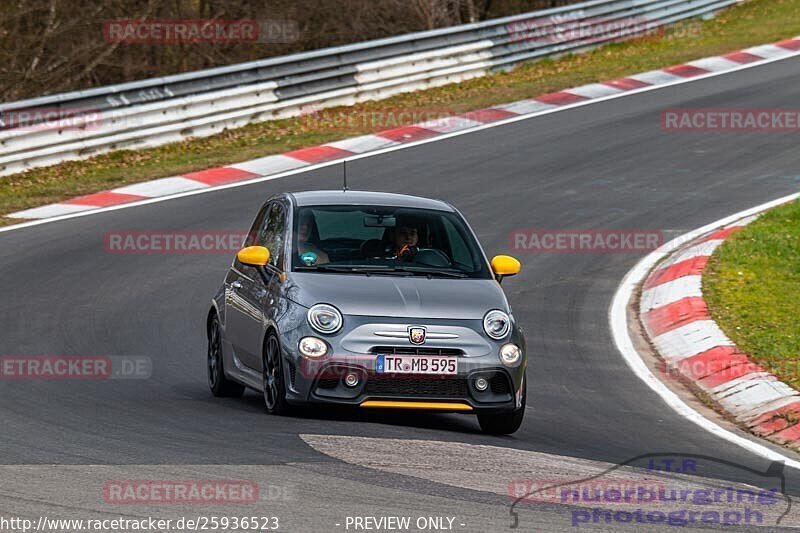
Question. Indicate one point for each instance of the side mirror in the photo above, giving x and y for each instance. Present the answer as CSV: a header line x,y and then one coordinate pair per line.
x,y
505,265
256,256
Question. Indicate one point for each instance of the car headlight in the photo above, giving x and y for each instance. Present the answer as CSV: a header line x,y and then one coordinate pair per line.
x,y
325,318
496,324
313,347
510,354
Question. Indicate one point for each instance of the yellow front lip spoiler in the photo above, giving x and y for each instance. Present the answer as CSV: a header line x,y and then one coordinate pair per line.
x,y
428,406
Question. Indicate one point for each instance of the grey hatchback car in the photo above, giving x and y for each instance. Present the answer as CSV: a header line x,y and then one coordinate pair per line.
x,y
375,300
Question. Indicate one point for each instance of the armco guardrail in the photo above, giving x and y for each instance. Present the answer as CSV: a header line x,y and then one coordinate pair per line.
x,y
47,130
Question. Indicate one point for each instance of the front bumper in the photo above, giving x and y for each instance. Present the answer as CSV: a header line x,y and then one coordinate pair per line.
x,y
356,348
324,382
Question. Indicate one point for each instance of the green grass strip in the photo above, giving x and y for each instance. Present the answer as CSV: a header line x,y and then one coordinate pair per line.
x,y
752,287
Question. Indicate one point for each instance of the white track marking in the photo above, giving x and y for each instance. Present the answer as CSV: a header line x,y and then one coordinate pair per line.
x,y
53,211
769,50
691,339
714,64
736,385
160,187
754,393
364,143
744,222
703,249
448,124
271,163
671,292
526,107
594,90
658,77
748,417
618,318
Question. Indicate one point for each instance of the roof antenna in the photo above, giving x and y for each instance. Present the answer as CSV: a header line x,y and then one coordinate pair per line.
x,y
344,174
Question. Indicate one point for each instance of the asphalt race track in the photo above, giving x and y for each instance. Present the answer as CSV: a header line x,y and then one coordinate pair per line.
x,y
607,165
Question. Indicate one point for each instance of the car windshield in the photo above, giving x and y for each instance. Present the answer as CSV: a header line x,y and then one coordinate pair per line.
x,y
384,240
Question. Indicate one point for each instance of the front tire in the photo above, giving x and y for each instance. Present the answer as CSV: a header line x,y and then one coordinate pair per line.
x,y
220,385
273,385
504,423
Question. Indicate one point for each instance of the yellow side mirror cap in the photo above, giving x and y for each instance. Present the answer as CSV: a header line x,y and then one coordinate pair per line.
x,y
505,265
253,256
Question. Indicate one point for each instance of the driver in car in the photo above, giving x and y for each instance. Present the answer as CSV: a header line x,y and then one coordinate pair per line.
x,y
406,241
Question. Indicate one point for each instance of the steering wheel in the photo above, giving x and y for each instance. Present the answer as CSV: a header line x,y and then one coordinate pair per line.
x,y
432,257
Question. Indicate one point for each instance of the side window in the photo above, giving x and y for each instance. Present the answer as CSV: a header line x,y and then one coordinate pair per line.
x,y
250,239
272,234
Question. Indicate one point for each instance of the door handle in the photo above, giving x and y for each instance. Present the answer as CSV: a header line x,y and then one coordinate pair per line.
x,y
236,285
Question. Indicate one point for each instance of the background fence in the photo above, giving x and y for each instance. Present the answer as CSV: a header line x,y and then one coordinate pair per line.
x,y
75,125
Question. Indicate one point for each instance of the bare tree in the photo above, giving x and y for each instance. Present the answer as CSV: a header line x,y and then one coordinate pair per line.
x,y
49,46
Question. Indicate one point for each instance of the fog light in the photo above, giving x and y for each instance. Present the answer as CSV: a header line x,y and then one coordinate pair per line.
x,y
313,347
510,354
351,380
481,384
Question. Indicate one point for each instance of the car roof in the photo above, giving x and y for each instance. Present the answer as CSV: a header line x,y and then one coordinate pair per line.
x,y
340,197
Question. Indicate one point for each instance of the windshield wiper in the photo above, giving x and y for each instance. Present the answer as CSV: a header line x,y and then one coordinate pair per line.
x,y
358,269
379,269
328,268
393,271
409,271
432,272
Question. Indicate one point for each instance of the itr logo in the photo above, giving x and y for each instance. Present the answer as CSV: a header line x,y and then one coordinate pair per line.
x,y
672,465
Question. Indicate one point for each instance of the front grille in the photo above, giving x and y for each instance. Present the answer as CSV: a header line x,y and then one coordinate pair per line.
x,y
328,383
417,386
415,350
499,384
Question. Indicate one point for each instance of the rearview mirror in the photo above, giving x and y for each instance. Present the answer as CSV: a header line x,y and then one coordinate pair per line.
x,y
256,256
505,265
380,221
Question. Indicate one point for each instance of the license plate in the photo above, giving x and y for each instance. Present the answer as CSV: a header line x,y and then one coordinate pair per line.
x,y
416,364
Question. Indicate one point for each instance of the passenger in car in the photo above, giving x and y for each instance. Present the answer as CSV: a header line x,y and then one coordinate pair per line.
x,y
308,238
